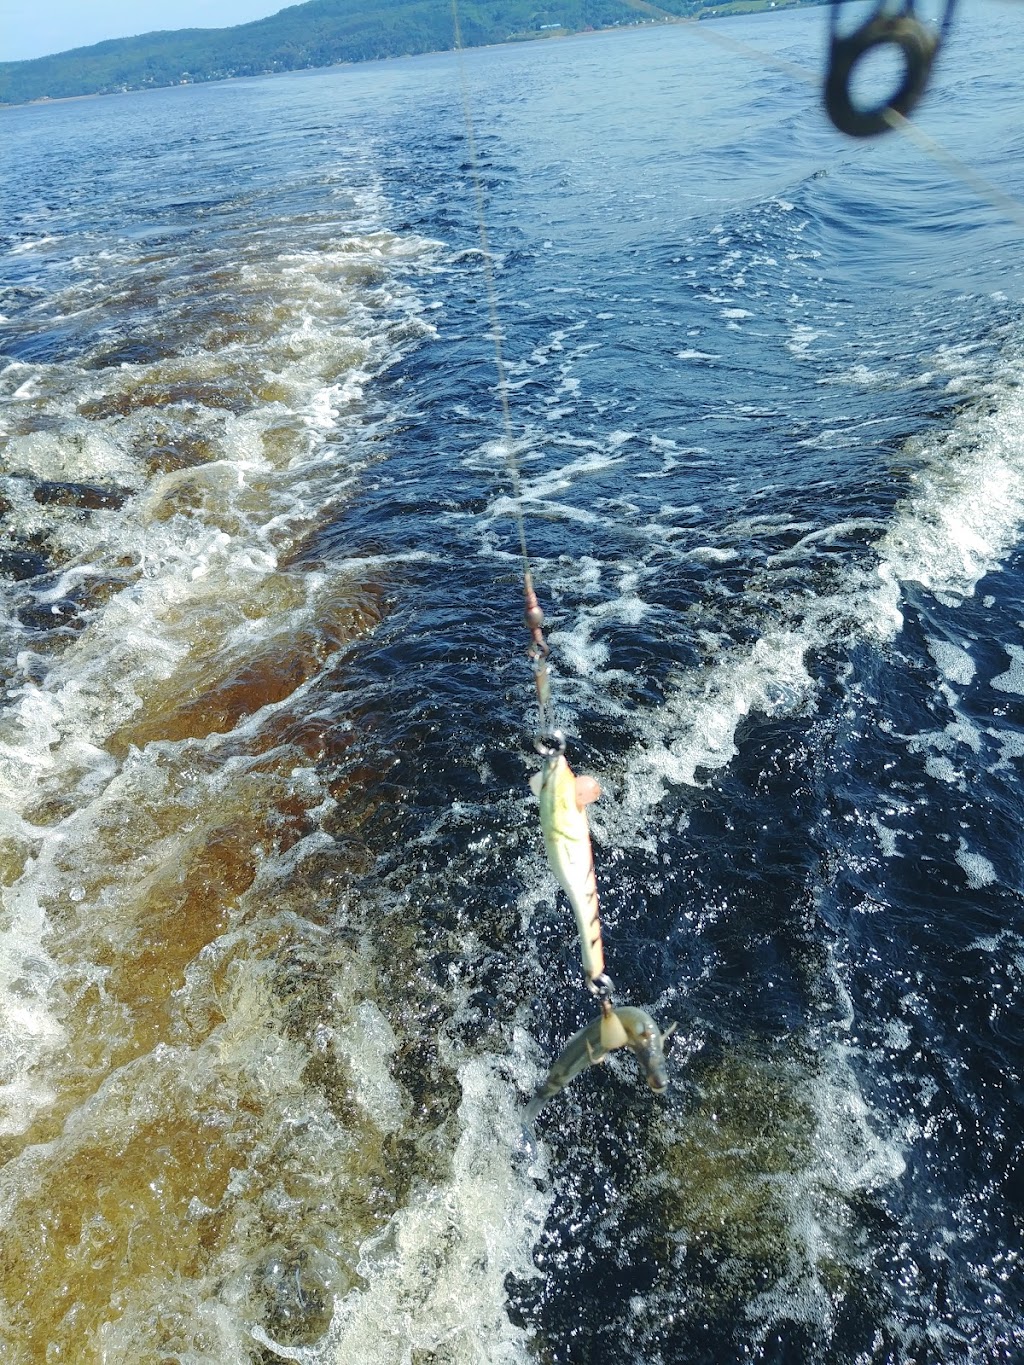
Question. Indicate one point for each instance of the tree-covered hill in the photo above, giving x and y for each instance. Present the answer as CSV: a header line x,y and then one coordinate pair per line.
x,y
322,32
317,33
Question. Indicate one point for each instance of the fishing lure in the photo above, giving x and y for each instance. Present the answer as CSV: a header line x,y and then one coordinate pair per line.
x,y
564,798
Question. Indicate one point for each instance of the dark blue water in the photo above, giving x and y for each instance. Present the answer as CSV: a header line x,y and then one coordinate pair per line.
x,y
272,871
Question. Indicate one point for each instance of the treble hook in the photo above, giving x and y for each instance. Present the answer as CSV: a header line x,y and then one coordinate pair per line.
x,y
915,43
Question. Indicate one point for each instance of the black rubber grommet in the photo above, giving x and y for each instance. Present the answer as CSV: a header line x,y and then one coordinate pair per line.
x,y
917,45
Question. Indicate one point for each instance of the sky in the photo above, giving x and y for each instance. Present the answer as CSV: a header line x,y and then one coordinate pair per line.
x,y
35,28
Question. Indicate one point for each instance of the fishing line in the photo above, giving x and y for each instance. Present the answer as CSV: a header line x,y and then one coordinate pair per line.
x,y
533,614
562,796
970,177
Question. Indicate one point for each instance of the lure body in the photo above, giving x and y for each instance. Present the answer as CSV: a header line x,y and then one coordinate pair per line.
x,y
564,798
591,1045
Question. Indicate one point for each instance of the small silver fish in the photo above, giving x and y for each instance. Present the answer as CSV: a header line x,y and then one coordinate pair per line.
x,y
627,1026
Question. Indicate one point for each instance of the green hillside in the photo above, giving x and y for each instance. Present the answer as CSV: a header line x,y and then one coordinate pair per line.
x,y
318,33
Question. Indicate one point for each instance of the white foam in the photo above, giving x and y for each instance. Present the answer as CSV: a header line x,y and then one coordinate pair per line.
x,y
966,503
370,1060
197,548
886,838
33,245
821,535
577,647
1011,746
953,661
978,868
697,726
777,1167
943,748
29,1031
83,453
961,516
1013,679
801,340
436,1274
943,769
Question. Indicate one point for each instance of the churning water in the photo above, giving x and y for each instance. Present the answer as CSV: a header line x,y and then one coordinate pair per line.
x,y
281,958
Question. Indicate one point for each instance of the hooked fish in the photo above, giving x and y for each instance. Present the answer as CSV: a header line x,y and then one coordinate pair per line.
x,y
627,1026
564,798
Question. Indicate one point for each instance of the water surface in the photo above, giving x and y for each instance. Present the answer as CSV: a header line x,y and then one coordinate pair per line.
x,y
281,957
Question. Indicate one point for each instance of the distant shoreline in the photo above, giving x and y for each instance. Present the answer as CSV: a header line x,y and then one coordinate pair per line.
x,y
726,10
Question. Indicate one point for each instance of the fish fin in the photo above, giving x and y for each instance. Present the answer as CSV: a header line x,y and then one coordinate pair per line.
x,y
613,1035
596,1058
536,782
587,789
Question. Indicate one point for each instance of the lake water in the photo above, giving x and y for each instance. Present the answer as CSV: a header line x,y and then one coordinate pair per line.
x,y
281,957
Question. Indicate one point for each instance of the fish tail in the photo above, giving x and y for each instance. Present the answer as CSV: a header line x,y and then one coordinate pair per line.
x,y
532,1110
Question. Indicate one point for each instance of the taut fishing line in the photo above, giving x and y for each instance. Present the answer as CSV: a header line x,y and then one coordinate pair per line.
x,y
562,796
